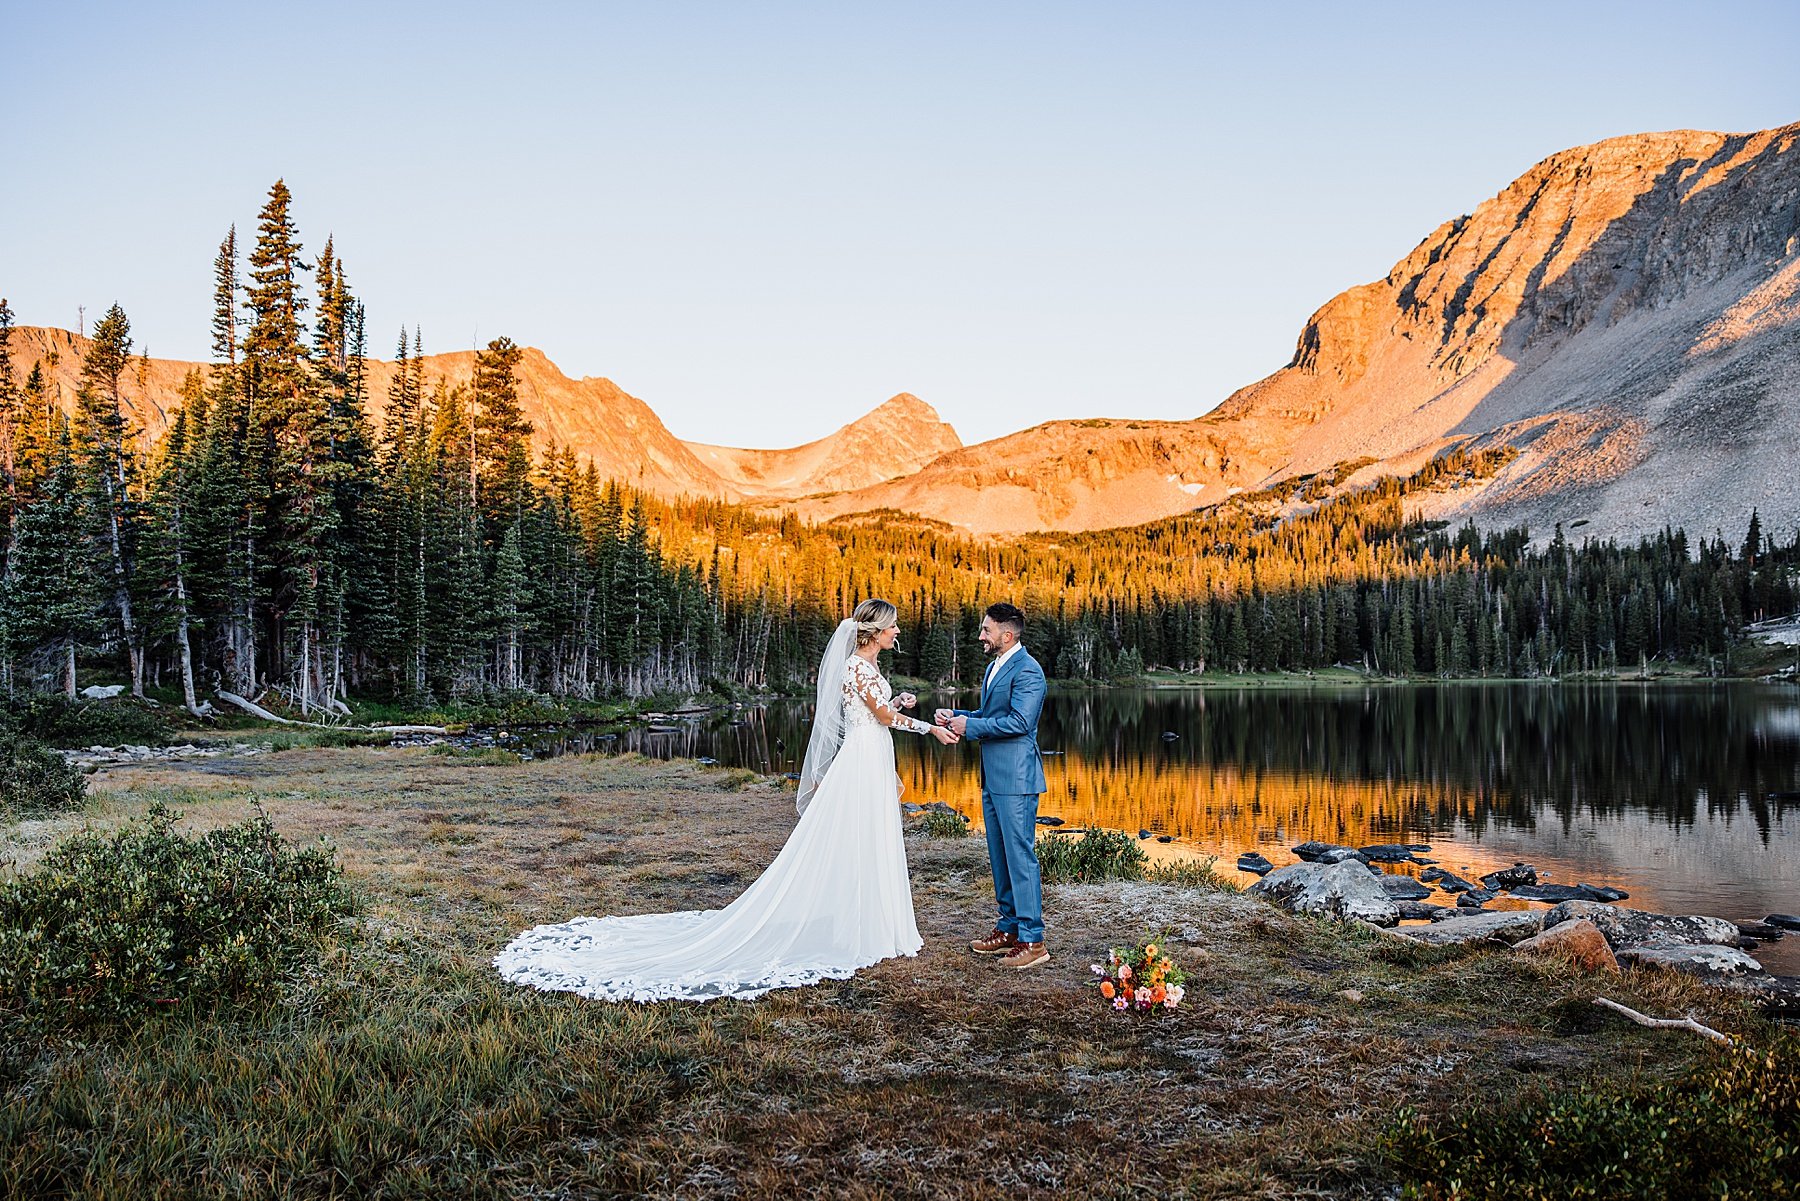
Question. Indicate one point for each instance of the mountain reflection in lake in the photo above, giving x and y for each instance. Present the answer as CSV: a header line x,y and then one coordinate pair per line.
x,y
1685,795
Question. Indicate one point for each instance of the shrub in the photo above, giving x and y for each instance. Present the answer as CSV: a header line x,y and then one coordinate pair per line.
x,y
1189,873
58,721
1731,1128
939,824
35,780
114,927
477,756
1096,855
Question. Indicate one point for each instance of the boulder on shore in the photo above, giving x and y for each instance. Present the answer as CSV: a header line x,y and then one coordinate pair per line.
x,y
1507,926
1709,962
1630,928
1342,890
1579,941
1403,888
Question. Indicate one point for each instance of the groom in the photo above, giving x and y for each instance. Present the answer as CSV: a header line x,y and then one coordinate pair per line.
x,y
1012,779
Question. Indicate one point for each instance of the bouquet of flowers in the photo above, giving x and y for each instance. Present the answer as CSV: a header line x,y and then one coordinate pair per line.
x,y
1141,977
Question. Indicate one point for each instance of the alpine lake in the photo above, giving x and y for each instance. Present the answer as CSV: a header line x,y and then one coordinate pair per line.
x,y
1685,795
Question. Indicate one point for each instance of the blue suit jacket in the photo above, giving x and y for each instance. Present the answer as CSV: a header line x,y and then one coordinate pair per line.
x,y
1006,727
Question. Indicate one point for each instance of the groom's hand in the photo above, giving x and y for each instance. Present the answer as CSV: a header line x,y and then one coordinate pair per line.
x,y
906,700
958,725
942,716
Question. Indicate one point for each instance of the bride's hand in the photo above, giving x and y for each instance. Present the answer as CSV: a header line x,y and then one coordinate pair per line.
x,y
943,735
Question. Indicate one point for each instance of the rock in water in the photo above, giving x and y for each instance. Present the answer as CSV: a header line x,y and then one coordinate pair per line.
x,y
1254,862
1579,941
1403,888
1393,852
1143,834
1627,928
1049,821
1475,898
1340,890
1510,877
1449,881
1556,892
1508,927
1786,921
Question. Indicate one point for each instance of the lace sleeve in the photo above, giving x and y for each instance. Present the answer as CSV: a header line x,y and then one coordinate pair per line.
x,y
871,689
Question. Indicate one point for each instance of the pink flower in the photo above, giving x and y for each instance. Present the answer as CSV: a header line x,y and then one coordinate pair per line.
x,y
1125,972
1120,1003
1142,996
1097,969
1173,996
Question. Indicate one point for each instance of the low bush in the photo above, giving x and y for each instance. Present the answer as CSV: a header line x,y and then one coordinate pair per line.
x,y
58,721
1731,1129
1096,855
113,927
35,780
938,824
477,756
1189,873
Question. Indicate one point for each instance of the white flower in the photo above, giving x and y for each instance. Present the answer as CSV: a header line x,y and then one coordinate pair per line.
x,y
1172,995
1096,969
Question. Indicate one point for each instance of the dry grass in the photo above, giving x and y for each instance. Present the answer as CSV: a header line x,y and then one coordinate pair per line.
x,y
410,1069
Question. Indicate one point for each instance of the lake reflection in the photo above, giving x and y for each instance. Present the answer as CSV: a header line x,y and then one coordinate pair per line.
x,y
1673,792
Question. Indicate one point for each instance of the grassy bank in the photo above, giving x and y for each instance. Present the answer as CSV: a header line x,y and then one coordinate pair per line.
x,y
406,1068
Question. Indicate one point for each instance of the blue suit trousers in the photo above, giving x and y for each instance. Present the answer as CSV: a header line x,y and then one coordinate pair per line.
x,y
1011,820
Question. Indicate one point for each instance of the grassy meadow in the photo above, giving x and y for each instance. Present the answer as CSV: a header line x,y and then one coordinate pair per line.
x,y
401,1065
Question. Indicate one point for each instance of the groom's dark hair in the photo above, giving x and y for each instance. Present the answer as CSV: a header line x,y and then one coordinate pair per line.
x,y
1004,614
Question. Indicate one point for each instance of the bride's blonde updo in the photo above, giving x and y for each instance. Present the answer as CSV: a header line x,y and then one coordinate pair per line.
x,y
872,617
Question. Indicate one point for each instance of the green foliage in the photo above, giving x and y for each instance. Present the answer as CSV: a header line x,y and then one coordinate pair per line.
x,y
477,756
114,928
35,780
58,721
1189,873
1097,855
1732,1129
938,824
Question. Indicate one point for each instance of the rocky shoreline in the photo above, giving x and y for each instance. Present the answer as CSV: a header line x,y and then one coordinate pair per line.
x,y
1584,923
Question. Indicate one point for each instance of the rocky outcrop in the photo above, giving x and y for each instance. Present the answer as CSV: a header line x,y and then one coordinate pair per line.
x,y
1630,928
1342,890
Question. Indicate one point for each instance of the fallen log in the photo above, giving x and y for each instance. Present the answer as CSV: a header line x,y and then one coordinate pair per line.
x,y
256,710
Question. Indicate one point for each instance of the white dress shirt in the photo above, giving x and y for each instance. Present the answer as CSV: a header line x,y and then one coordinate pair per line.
x,y
1002,657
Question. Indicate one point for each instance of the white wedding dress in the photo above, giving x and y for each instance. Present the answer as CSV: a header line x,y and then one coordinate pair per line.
x,y
837,898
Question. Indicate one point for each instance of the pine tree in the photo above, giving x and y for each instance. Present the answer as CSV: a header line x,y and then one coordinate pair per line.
x,y
108,470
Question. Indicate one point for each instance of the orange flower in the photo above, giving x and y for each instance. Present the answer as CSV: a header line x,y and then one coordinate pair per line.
x,y
1150,951
1106,989
1157,994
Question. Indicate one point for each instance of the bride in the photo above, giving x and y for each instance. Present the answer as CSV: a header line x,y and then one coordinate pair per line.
x,y
836,899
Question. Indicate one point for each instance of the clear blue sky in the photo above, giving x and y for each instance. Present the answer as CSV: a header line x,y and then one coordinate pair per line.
x,y
764,219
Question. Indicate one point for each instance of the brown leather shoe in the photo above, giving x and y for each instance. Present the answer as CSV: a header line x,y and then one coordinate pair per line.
x,y
1026,954
997,943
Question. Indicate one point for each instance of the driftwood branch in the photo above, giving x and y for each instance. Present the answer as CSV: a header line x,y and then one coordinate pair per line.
x,y
256,710
1686,1023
